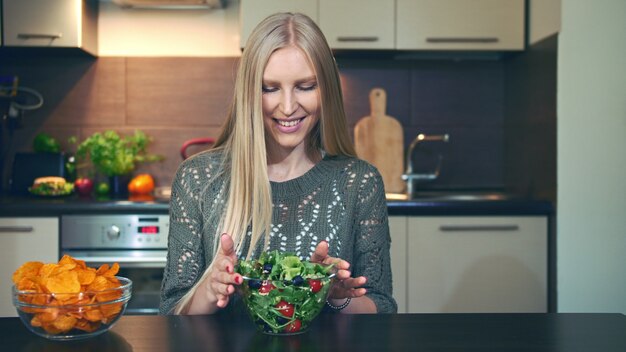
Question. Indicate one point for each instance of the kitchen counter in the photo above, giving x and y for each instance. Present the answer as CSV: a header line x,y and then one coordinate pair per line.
x,y
73,204
338,332
38,206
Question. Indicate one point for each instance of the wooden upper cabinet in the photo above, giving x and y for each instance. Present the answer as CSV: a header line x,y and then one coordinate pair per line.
x,y
460,24
358,24
45,23
252,12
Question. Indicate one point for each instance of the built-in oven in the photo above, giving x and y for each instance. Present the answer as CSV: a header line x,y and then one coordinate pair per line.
x,y
137,242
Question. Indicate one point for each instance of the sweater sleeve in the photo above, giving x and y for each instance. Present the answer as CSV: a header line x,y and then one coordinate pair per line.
x,y
373,242
185,258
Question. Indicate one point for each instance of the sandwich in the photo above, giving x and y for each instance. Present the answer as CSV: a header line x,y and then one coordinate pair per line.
x,y
51,186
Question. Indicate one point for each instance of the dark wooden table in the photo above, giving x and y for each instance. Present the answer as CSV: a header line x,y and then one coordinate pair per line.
x,y
398,332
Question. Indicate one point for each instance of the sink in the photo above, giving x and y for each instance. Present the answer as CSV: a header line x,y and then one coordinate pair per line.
x,y
449,196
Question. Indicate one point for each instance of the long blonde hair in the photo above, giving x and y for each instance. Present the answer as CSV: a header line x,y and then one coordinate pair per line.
x,y
242,141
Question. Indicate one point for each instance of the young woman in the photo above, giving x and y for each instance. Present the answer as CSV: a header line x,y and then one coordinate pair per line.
x,y
283,175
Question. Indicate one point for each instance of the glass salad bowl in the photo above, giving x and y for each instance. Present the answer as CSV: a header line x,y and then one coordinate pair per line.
x,y
282,293
73,316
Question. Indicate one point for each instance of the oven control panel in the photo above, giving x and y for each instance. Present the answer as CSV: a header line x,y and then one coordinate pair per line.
x,y
114,231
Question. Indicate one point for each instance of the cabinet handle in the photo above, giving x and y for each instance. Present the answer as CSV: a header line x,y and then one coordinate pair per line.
x,y
438,40
450,228
16,229
357,39
39,36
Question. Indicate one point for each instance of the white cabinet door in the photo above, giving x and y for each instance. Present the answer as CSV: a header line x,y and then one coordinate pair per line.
x,y
477,264
254,11
45,23
397,229
460,24
23,240
358,24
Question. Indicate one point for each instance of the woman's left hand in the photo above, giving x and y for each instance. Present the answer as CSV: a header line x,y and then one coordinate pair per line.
x,y
348,286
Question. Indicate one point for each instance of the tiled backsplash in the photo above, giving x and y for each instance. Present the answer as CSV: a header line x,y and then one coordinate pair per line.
x,y
464,99
176,99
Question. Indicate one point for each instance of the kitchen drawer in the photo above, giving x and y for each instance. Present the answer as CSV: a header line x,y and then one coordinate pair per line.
x,y
23,240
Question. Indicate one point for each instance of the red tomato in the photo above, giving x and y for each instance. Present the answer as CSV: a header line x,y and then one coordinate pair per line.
x,y
294,326
266,287
286,309
315,284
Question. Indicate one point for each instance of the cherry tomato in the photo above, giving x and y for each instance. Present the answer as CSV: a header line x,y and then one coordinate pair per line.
x,y
286,309
294,326
266,287
315,284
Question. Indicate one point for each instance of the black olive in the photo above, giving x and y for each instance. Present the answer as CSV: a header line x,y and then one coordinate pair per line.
x,y
298,280
264,326
254,284
281,320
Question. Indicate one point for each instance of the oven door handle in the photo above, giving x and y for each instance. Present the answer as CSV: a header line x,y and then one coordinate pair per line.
x,y
127,262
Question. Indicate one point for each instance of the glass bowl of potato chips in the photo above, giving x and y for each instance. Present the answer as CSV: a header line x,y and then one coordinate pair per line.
x,y
68,300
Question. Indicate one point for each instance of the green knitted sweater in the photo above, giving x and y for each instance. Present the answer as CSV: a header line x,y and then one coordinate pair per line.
x,y
340,200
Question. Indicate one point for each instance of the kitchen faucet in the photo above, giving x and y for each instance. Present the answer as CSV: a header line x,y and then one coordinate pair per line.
x,y
409,176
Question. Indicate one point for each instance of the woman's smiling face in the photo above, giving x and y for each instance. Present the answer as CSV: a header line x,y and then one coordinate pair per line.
x,y
291,100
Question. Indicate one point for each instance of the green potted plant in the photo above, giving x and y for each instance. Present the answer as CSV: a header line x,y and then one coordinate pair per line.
x,y
116,157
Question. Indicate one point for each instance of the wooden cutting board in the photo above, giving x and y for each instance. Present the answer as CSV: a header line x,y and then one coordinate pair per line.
x,y
379,139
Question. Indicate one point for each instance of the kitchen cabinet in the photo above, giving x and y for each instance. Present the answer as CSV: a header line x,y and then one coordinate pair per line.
x,y
347,24
358,24
477,264
44,23
462,264
460,25
23,240
464,25
398,252
544,19
254,11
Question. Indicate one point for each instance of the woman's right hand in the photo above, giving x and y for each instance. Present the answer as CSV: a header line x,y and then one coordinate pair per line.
x,y
223,276
216,289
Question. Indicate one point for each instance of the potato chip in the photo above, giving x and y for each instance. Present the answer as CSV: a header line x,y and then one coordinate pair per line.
x,y
64,323
110,311
51,329
115,268
28,284
48,315
99,283
63,282
93,315
66,259
86,276
102,269
27,270
87,326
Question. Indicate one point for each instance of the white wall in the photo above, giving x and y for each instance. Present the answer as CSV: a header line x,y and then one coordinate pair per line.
x,y
591,200
141,32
